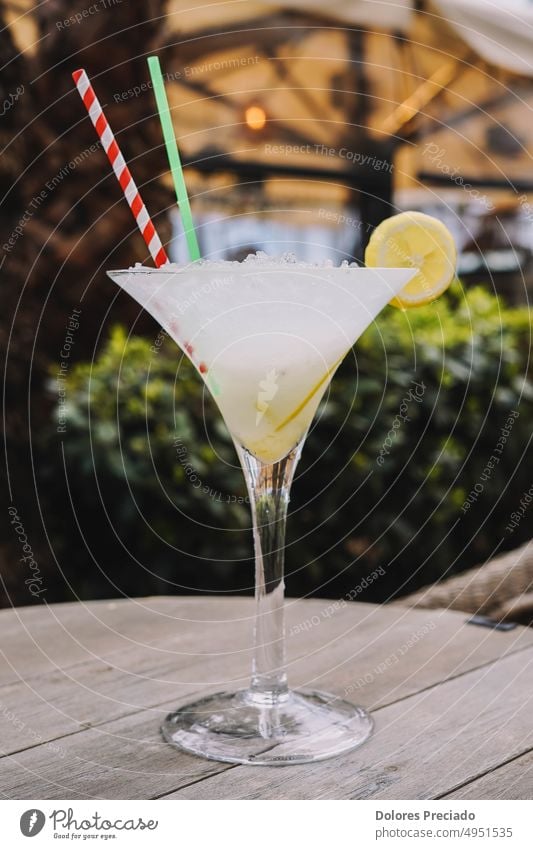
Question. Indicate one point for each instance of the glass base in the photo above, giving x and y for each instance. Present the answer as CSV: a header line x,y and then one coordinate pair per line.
x,y
244,728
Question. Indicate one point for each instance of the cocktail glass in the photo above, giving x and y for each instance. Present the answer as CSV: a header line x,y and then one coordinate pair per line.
x,y
267,337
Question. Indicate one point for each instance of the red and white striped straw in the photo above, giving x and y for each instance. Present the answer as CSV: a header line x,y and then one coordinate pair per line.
x,y
122,172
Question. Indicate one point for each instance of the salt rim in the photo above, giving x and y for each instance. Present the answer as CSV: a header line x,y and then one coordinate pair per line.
x,y
258,259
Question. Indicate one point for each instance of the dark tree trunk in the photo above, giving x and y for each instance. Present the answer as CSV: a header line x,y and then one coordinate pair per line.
x,y
63,220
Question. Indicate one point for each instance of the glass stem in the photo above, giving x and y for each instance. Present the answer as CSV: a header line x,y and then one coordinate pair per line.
x,y
269,489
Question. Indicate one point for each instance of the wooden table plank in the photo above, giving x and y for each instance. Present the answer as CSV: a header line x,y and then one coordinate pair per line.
x,y
513,780
37,640
422,746
40,639
375,671
120,666
123,759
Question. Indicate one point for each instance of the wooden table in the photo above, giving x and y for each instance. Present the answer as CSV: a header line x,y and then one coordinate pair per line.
x,y
84,686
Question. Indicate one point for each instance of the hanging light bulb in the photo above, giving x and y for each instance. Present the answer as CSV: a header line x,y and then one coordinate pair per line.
x,y
255,117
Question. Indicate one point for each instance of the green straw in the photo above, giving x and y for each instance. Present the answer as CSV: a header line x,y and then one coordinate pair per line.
x,y
173,157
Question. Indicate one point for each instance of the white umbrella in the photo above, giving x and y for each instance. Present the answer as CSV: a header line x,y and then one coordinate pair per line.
x,y
498,31
501,32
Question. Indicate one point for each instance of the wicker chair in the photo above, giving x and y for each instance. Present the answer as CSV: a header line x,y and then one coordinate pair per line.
x,y
502,588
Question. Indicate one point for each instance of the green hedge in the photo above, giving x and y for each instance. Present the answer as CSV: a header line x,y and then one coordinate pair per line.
x,y
390,477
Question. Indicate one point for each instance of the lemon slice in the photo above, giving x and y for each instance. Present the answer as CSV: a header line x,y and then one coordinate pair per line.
x,y
414,240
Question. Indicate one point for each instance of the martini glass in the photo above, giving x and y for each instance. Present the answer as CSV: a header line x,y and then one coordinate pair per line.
x,y
267,337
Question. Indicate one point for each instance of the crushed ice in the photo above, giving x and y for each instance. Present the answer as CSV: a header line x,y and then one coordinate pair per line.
x,y
258,258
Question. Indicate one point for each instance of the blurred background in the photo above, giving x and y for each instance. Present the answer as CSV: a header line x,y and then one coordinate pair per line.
x,y
301,128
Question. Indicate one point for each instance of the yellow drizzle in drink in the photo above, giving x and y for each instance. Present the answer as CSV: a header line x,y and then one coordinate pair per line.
x,y
308,397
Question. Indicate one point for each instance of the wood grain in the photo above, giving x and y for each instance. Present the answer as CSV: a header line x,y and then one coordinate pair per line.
x,y
83,688
513,780
422,746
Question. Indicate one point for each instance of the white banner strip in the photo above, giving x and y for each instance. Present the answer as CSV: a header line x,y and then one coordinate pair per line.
x,y
175,823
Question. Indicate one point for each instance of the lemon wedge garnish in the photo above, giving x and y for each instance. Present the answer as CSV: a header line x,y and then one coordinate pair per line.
x,y
414,240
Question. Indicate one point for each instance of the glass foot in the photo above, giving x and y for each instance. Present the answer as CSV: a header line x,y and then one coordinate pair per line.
x,y
301,727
